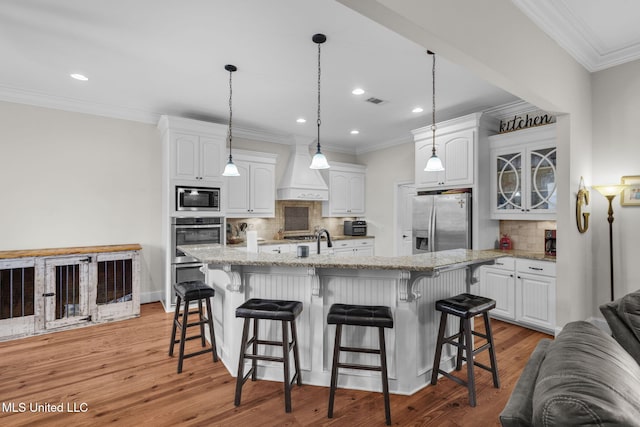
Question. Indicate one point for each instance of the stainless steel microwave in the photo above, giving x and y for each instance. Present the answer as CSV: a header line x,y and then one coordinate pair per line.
x,y
197,199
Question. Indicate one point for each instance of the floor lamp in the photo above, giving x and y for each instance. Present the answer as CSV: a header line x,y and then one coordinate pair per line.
x,y
610,192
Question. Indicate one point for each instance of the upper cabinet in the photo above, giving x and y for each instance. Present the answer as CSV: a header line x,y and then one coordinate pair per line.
x,y
194,151
252,194
196,157
523,174
346,190
456,143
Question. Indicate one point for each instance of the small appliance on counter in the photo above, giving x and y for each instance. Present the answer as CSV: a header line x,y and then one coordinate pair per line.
x,y
550,242
355,228
505,243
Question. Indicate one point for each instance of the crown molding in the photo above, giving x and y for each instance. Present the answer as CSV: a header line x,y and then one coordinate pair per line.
x,y
511,109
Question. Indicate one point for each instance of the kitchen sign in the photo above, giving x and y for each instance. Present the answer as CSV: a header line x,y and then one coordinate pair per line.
x,y
520,122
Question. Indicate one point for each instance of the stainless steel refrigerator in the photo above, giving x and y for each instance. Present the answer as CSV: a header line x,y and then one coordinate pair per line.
x,y
441,222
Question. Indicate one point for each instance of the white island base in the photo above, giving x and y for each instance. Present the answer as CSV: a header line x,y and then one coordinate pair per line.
x,y
411,295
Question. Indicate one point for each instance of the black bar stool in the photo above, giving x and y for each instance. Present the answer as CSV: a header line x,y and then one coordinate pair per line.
x,y
360,315
466,306
195,290
286,312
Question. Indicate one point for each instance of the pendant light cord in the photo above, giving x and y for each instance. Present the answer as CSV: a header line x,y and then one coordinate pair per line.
x,y
230,112
318,121
433,111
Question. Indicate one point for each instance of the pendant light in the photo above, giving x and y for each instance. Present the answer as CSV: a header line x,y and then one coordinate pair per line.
x,y
319,161
434,164
230,169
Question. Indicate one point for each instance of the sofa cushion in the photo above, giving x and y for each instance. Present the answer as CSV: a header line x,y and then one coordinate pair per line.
x,y
586,378
629,311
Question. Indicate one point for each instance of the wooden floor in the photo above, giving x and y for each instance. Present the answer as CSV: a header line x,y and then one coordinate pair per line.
x,y
120,374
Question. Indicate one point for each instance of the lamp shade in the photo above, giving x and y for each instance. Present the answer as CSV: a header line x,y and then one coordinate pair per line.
x,y
230,169
610,190
434,164
319,161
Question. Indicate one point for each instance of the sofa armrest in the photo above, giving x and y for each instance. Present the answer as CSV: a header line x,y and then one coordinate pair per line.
x,y
519,409
621,330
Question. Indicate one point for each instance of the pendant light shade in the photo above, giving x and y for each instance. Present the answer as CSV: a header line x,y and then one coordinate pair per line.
x,y
434,164
230,169
319,160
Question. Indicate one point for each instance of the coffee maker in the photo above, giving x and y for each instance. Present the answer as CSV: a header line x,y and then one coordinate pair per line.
x,y
550,242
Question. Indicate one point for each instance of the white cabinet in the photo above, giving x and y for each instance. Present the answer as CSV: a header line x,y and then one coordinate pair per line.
x,y
346,190
354,247
497,283
276,249
524,291
456,143
252,194
536,294
523,174
196,158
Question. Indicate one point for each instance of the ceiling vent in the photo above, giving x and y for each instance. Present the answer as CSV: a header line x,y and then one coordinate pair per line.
x,y
375,100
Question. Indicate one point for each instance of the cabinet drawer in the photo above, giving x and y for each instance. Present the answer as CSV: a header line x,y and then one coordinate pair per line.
x,y
363,243
544,268
506,263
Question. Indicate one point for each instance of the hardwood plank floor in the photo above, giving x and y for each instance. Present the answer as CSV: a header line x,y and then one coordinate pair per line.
x,y
120,374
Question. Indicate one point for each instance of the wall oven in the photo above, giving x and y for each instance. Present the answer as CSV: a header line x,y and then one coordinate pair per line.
x,y
191,231
197,199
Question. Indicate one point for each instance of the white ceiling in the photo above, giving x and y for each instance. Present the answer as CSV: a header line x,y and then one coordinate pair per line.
x,y
599,34
145,58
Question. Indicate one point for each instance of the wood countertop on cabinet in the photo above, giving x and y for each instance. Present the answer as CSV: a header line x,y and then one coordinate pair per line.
x,y
23,253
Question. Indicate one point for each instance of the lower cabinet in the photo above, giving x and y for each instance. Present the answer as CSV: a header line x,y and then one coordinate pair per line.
x,y
524,291
45,293
357,247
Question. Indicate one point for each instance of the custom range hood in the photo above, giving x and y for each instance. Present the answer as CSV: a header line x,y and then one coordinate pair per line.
x,y
299,182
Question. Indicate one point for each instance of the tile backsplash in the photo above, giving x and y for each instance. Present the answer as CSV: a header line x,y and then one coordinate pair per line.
x,y
526,235
268,228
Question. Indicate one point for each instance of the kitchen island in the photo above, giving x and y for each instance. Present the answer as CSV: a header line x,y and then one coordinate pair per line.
x,y
410,285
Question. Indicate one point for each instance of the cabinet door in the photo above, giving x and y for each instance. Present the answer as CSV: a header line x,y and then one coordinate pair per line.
x,y
17,297
186,163
507,176
457,152
238,192
499,285
66,291
339,193
424,179
116,286
211,158
535,296
262,189
541,179
356,194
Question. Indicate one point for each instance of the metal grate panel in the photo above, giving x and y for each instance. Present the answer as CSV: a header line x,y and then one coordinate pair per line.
x,y
16,292
114,281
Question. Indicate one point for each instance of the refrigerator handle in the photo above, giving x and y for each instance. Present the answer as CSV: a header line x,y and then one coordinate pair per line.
x,y
432,228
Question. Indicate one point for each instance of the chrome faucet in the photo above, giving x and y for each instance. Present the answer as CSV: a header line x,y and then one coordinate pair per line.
x,y
319,235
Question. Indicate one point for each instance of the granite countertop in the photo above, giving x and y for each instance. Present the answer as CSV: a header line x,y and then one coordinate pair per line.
x,y
429,262
540,256
68,251
295,241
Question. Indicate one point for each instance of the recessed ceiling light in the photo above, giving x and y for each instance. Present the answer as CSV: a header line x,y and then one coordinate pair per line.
x,y
301,120
357,91
355,132
79,77
417,110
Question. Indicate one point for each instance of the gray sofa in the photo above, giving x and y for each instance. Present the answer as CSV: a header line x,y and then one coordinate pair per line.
x,y
583,377
623,317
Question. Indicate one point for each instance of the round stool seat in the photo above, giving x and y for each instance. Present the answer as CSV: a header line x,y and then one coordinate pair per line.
x,y
360,315
193,290
465,305
257,308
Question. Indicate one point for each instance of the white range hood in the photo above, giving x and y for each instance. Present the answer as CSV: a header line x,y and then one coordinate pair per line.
x,y
299,182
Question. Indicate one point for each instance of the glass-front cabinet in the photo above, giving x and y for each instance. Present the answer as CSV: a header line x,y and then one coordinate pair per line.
x,y
523,174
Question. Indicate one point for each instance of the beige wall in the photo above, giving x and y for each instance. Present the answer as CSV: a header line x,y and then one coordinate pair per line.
x,y
493,39
72,179
616,152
